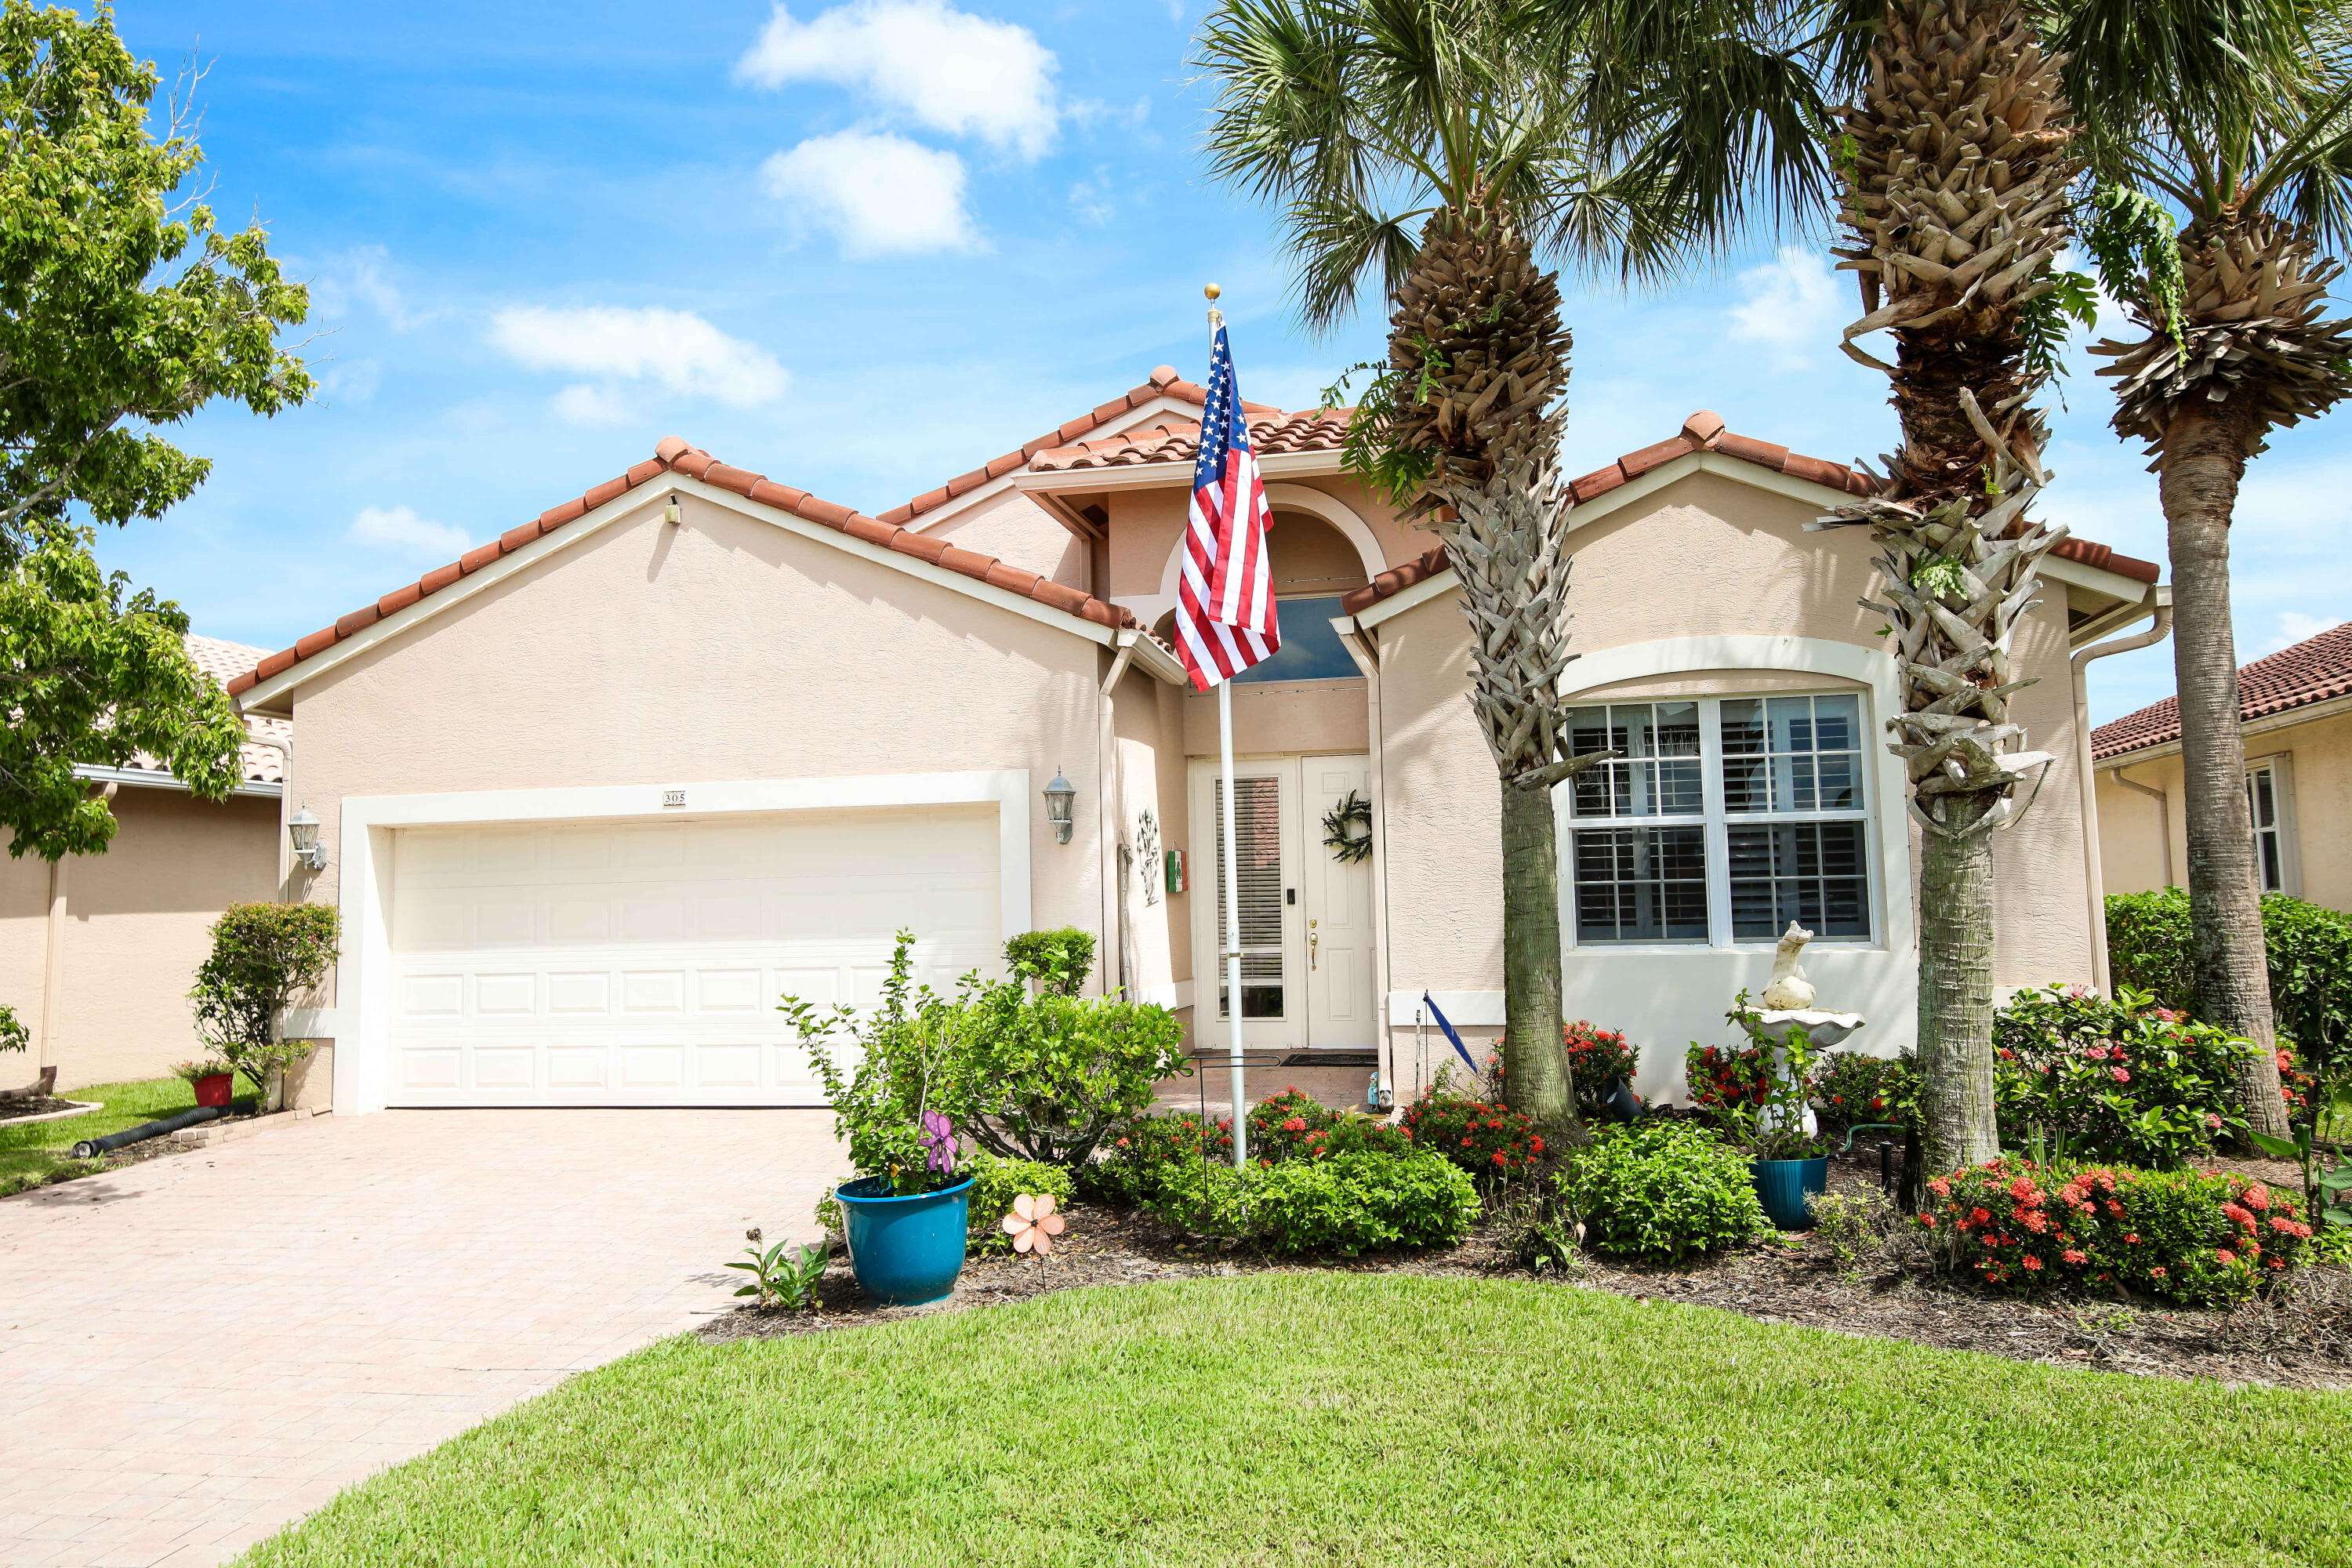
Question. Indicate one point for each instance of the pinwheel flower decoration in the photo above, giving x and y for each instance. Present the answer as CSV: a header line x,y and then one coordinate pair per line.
x,y
1033,1225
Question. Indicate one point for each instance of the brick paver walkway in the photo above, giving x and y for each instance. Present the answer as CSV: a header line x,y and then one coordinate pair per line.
x,y
197,1349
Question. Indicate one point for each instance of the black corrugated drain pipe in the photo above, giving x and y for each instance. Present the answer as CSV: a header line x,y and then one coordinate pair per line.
x,y
91,1148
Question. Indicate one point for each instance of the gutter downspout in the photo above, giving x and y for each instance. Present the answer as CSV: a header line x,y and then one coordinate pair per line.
x,y
1110,812
1364,649
52,962
2159,606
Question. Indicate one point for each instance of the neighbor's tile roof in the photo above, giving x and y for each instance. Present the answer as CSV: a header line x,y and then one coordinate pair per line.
x,y
2312,671
260,761
1164,382
675,455
1704,432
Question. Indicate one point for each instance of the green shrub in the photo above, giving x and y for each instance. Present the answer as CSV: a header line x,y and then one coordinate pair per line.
x,y
1851,1088
1725,1079
889,1102
14,1036
2191,1237
1662,1189
997,1182
1280,1123
1366,1201
2125,1080
1044,1077
1350,1132
1485,1138
1137,1155
1597,1058
263,956
1059,961
2310,956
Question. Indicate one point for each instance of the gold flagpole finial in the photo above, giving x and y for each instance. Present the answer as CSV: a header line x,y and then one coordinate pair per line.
x,y
1216,317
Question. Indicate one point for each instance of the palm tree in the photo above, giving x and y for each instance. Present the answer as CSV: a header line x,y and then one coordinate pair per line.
x,y
2236,115
1451,150
1957,153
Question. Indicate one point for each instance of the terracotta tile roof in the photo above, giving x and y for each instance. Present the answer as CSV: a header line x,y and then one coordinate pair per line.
x,y
260,763
1704,432
1164,382
2312,671
675,455
1315,430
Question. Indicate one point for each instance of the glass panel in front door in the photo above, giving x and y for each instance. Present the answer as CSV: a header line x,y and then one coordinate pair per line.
x,y
1257,864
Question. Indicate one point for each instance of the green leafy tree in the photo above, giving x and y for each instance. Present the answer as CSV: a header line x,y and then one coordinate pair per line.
x,y
1452,154
124,309
2221,132
263,957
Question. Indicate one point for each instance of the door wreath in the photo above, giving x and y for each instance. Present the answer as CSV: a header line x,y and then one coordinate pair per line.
x,y
1340,826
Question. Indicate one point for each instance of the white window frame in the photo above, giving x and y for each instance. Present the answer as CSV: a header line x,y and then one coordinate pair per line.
x,y
1718,821
2280,766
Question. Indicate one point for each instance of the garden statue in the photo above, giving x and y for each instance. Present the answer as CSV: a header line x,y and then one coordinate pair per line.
x,y
1788,991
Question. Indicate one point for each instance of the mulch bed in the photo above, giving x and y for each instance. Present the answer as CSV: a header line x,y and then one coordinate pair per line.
x,y
2301,1339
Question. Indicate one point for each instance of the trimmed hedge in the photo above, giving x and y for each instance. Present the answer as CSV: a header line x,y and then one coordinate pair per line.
x,y
2310,949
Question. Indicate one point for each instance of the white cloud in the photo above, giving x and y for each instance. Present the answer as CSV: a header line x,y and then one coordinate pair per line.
x,y
398,527
358,278
2294,627
945,68
882,195
676,350
355,382
1793,303
590,404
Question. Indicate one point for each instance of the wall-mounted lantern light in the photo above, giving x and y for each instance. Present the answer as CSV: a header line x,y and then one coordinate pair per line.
x,y
1059,795
670,513
304,829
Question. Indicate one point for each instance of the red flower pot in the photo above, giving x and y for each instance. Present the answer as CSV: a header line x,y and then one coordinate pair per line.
x,y
212,1089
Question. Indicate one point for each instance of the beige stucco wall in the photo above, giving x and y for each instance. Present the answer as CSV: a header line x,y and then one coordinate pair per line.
x,y
1706,557
1149,736
1011,527
1274,717
2318,753
139,920
727,649
1146,524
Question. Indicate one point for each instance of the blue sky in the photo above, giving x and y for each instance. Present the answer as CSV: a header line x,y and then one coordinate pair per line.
x,y
862,247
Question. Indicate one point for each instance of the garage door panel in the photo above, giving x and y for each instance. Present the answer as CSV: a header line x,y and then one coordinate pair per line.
x,y
641,962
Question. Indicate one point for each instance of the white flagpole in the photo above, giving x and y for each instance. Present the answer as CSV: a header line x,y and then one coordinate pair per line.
x,y
1232,880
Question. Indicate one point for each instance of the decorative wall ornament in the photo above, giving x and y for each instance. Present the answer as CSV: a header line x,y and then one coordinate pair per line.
x,y
1146,853
1341,824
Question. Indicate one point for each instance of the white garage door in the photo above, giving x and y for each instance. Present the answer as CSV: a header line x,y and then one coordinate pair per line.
x,y
640,963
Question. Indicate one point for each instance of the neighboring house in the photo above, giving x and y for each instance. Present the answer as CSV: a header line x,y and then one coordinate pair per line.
x,y
98,952
597,793
2296,709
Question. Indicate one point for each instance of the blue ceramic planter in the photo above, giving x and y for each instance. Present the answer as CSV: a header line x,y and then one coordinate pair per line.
x,y
904,1250
1785,1185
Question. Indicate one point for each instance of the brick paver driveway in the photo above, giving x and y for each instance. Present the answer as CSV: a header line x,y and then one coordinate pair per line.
x,y
199,1348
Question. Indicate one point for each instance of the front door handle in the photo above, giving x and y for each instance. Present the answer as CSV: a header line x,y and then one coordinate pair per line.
x,y
1313,940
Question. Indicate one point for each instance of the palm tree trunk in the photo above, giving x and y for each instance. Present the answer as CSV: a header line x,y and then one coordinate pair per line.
x,y
1956,1011
1536,1075
2204,459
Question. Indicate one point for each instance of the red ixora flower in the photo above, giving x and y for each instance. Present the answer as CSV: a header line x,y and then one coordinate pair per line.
x,y
2033,1263
1295,1124
2158,1271
2119,1075
2072,1256
2257,1196
2225,1255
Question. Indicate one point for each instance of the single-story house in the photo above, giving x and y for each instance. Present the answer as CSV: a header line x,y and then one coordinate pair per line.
x,y
2296,709
97,953
599,793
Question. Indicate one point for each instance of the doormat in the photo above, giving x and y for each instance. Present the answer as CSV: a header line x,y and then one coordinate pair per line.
x,y
1332,1059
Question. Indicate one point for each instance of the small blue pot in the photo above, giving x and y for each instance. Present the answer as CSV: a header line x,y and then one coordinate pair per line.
x,y
904,1250
1784,1188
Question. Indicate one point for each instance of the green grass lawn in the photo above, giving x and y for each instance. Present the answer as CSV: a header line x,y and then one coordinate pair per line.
x,y
1334,1418
41,1151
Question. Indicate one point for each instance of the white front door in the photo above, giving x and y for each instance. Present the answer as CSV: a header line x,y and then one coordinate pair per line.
x,y
1306,919
640,962
1337,900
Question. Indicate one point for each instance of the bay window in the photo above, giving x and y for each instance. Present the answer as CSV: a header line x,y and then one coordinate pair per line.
x,y
1725,818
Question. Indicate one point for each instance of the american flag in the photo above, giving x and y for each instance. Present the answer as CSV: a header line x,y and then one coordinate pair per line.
x,y
1224,597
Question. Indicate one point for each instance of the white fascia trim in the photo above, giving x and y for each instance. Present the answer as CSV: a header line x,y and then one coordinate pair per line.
x,y
2096,580
166,781
1154,659
1011,478
1436,586
1159,476
259,697
364,839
